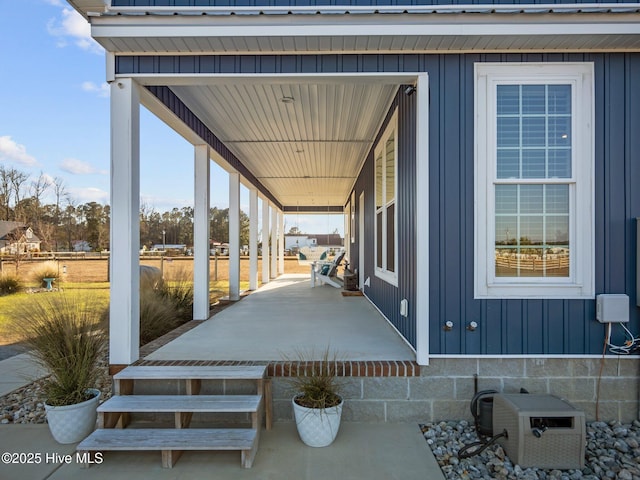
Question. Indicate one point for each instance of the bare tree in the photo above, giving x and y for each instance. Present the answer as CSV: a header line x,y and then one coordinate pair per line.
x,y
6,192
60,192
17,180
37,189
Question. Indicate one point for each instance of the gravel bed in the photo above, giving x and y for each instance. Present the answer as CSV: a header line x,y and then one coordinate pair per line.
x,y
26,405
612,452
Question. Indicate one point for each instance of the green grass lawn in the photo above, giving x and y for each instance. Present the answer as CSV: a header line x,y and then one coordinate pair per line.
x,y
98,293
9,304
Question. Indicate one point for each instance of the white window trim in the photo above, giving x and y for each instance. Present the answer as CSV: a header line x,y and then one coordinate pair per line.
x,y
383,273
581,283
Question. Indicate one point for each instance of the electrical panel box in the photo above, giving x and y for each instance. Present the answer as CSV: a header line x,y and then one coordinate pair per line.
x,y
543,431
612,308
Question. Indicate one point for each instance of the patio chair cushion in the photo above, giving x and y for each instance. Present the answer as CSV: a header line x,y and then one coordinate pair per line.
x,y
325,269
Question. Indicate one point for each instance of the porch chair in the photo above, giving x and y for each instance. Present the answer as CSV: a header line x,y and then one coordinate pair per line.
x,y
327,272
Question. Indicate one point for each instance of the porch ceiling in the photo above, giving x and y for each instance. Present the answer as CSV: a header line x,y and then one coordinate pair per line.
x,y
305,142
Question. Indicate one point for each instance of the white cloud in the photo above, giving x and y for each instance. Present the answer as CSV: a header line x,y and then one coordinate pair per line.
x,y
55,3
78,167
89,194
103,90
72,27
14,152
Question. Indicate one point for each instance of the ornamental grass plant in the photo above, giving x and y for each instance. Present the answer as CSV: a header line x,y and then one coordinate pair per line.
x,y
44,270
315,382
65,336
9,283
179,291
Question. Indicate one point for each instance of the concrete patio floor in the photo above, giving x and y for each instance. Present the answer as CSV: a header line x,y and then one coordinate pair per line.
x,y
361,451
285,317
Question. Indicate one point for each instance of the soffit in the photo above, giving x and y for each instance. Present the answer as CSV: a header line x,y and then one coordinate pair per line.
x,y
306,152
444,30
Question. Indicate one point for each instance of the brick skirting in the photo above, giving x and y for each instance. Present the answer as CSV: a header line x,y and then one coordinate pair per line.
x,y
375,368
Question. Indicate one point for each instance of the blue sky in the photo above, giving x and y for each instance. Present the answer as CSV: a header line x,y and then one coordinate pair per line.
x,y
54,117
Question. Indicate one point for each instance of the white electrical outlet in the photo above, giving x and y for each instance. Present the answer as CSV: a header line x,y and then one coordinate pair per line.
x,y
404,307
612,308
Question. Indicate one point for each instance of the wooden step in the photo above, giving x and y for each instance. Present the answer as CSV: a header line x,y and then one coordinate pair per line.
x,y
109,413
172,442
182,403
180,372
193,375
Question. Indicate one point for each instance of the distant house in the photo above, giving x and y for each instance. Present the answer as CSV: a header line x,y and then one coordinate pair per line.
x,y
81,246
16,237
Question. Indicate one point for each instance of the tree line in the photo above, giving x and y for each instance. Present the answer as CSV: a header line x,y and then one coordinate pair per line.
x,y
46,205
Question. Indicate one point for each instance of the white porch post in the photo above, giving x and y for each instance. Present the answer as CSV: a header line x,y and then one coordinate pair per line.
x,y
201,232
265,240
422,216
280,243
234,236
124,313
253,239
274,242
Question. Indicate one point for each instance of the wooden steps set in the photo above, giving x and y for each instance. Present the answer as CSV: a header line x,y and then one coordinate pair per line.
x,y
114,414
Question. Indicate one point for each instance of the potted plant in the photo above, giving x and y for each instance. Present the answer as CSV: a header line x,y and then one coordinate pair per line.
x,y
317,402
65,337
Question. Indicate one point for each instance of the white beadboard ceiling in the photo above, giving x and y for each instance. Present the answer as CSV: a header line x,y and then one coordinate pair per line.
x,y
307,152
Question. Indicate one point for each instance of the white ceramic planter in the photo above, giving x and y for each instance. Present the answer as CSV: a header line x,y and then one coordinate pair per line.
x,y
73,423
317,427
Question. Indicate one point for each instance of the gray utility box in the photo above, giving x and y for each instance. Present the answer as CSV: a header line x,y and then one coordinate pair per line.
x,y
543,431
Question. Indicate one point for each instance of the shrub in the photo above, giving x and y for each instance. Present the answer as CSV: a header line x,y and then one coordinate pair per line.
x,y
9,283
158,315
179,291
163,305
64,336
45,270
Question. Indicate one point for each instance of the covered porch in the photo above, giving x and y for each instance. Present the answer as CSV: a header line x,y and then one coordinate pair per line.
x,y
286,318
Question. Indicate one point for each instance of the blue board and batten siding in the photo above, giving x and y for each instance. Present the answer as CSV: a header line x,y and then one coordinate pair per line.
x,y
386,296
505,326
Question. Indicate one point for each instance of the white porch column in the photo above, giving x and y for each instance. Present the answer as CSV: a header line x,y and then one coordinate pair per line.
x,y
280,243
253,239
274,242
124,312
201,229
265,240
422,216
234,236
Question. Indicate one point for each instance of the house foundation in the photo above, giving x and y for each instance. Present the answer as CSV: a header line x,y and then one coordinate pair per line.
x,y
402,391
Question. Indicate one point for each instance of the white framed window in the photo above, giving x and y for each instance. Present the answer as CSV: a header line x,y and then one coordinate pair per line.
x,y
534,188
386,186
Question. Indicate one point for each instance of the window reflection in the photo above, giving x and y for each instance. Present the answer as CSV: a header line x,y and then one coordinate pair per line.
x,y
532,231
